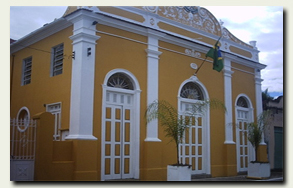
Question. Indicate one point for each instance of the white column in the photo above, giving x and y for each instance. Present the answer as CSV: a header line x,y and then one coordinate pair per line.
x,y
153,80
228,101
82,79
258,97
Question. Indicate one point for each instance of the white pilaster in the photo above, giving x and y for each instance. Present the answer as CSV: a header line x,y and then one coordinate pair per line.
x,y
228,101
153,80
82,79
258,97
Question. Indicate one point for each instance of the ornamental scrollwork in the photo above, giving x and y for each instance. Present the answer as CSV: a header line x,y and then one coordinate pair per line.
x,y
193,16
192,53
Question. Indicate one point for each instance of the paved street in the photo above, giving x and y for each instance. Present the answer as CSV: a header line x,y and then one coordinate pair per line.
x,y
275,176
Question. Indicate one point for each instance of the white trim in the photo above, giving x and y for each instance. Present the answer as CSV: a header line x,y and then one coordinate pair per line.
x,y
56,111
206,132
40,34
152,81
228,101
128,73
24,71
250,106
25,121
258,98
25,109
52,61
83,76
136,119
135,27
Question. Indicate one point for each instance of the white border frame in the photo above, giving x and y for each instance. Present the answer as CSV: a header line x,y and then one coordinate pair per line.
x,y
28,118
21,109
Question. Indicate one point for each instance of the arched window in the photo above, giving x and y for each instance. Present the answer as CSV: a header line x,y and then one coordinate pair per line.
x,y
191,96
191,91
120,80
241,102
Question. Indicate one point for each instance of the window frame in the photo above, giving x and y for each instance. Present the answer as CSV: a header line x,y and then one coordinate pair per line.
x,y
56,110
57,60
26,73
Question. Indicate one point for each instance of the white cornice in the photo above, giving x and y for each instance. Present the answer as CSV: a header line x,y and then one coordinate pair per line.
x,y
138,28
173,38
39,34
243,60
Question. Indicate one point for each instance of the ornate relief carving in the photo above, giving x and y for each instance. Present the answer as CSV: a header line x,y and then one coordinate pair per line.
x,y
192,53
196,17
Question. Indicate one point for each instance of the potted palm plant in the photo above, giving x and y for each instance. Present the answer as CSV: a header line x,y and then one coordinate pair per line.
x,y
258,169
175,126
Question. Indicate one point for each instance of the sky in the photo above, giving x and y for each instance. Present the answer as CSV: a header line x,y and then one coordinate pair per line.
x,y
263,24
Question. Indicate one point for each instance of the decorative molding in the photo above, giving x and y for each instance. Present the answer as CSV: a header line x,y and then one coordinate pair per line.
x,y
192,53
195,16
153,54
39,34
228,101
84,37
227,72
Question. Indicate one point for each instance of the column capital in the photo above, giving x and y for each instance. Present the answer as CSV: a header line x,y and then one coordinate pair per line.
x,y
153,53
84,37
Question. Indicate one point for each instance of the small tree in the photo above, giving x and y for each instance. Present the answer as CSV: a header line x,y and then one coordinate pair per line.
x,y
173,123
256,129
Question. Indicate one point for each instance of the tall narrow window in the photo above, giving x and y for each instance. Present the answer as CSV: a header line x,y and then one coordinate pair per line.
x,y
26,71
57,60
55,109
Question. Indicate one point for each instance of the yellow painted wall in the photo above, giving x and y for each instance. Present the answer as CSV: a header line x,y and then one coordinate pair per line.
x,y
243,83
175,64
53,161
113,53
43,88
240,51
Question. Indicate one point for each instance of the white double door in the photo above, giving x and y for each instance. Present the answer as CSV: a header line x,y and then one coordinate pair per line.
x,y
117,139
194,150
245,150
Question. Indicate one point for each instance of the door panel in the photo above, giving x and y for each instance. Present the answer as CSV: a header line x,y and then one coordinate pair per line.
x,y
191,151
118,135
278,155
245,151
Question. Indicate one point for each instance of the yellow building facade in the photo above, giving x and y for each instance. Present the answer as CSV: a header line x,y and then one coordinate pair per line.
x,y
96,69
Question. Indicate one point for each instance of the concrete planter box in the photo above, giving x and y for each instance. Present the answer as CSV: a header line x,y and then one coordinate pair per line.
x,y
259,170
178,173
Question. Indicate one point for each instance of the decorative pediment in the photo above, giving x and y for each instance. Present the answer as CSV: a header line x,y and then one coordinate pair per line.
x,y
194,16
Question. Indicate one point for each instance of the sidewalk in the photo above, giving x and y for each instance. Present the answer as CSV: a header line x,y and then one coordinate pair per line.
x,y
275,176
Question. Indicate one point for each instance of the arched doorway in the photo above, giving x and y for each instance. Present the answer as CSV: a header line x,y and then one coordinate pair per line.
x,y
120,126
196,144
244,115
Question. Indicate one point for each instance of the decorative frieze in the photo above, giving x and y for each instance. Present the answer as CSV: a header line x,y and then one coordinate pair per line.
x,y
194,16
192,53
